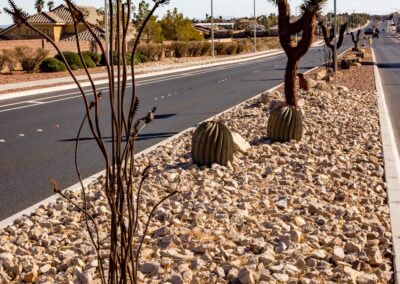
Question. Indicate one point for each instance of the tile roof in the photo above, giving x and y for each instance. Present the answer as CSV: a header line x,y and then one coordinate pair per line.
x,y
84,36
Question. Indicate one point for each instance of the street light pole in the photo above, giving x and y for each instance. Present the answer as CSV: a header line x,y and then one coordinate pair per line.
x,y
212,29
335,45
255,28
107,31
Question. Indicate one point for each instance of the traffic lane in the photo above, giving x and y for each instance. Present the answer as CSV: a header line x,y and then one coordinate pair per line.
x,y
388,59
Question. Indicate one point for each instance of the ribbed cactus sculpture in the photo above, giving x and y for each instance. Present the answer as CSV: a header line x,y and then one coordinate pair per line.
x,y
212,142
355,39
329,38
285,123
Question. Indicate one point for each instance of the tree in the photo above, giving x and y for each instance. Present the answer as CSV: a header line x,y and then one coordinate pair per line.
x,y
39,5
177,27
50,5
285,123
356,39
152,31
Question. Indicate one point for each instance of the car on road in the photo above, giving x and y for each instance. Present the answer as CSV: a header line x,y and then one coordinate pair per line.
x,y
375,35
369,31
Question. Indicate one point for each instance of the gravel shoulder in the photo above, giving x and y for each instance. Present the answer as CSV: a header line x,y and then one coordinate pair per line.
x,y
308,212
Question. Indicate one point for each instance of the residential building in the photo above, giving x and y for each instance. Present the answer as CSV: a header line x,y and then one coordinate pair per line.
x,y
57,24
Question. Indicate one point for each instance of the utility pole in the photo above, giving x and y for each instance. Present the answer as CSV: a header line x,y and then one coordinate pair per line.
x,y
212,29
107,30
335,35
255,28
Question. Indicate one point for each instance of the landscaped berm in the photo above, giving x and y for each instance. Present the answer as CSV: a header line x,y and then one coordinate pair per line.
x,y
298,195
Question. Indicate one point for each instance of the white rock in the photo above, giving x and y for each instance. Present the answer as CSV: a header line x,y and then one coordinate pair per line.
x,y
240,144
245,276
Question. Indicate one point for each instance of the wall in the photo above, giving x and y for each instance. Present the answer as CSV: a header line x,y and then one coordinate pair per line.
x,y
37,43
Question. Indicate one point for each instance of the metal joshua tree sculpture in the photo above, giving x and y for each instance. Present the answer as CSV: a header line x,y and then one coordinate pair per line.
x,y
355,39
285,123
119,252
329,38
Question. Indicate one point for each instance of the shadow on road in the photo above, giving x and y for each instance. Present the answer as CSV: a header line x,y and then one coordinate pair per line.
x,y
141,137
389,65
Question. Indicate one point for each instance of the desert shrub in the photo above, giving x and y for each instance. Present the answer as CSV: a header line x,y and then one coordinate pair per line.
x,y
180,48
2,62
30,58
115,59
220,48
194,48
231,48
241,47
168,51
94,56
141,58
153,52
206,48
10,59
51,65
88,60
72,58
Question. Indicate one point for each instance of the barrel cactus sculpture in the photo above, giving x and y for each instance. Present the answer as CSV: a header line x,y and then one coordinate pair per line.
x,y
285,123
212,142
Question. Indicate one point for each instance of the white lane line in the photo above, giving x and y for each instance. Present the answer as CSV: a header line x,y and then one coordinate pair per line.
x,y
39,130
21,135
35,102
162,97
2,140
155,99
169,95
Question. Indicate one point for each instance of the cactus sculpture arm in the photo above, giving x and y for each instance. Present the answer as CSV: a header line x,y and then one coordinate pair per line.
x,y
328,38
355,39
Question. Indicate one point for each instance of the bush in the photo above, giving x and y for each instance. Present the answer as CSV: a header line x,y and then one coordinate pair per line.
x,y
231,48
115,59
194,48
241,47
220,48
180,48
10,59
206,48
88,60
2,62
141,58
168,51
30,58
72,58
153,52
94,56
51,64
345,64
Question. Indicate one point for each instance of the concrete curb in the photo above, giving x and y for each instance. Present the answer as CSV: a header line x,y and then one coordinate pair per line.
x,y
392,169
28,93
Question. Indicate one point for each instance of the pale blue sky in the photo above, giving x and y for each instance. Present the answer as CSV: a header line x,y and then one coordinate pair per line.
x,y
237,8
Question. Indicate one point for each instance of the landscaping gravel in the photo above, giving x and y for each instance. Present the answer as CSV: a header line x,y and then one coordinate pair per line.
x,y
313,211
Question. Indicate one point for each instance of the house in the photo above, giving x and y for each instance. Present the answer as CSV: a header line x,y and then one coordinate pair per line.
x,y
57,24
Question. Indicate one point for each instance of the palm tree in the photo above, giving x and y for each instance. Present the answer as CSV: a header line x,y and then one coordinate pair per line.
x,y
50,5
39,5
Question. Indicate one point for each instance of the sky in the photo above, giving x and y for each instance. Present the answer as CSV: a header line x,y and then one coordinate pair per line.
x,y
230,8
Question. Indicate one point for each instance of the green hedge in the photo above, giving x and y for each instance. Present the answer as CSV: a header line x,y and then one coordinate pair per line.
x,y
72,58
52,65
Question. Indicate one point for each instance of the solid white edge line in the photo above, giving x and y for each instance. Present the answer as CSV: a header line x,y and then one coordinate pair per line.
x,y
392,168
77,187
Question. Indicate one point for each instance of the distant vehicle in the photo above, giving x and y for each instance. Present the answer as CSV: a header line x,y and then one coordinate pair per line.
x,y
375,35
383,30
369,31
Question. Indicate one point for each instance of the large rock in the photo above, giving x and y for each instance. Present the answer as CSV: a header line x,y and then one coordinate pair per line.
x,y
6,259
245,276
265,97
276,104
321,75
322,85
239,143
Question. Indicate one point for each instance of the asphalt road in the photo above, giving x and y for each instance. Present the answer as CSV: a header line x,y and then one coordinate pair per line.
x,y
387,51
38,133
